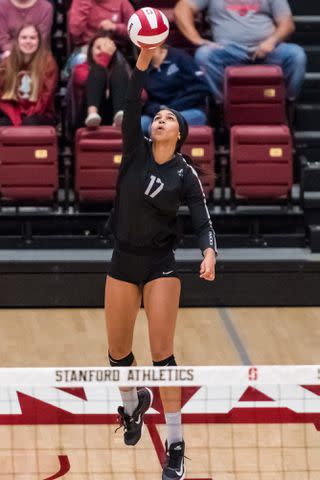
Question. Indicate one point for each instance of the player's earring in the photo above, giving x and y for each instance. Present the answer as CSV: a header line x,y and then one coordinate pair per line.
x,y
179,136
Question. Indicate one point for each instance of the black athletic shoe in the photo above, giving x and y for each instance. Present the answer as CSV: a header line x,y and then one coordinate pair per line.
x,y
173,469
133,424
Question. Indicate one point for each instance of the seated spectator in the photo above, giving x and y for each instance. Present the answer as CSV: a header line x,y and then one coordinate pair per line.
x,y
175,81
87,17
245,32
28,79
98,86
16,13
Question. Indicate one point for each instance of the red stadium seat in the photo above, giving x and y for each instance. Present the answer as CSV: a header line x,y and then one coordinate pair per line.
x,y
254,95
200,147
98,156
28,163
261,161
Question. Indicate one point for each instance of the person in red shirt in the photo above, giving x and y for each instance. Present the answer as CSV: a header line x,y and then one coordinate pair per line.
x,y
87,17
28,79
96,89
16,13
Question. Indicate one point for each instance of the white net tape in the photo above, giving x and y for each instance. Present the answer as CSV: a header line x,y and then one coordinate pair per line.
x,y
166,376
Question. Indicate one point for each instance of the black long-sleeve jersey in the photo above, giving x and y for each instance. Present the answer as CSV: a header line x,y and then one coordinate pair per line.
x,y
149,194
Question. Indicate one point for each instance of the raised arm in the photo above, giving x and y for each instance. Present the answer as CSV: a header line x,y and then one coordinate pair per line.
x,y
45,24
184,13
126,11
78,18
131,125
5,39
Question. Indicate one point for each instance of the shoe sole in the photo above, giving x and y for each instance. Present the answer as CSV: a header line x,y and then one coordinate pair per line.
x,y
142,428
118,121
93,123
168,478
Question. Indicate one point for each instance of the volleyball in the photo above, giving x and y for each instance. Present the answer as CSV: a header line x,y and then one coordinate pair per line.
x,y
148,27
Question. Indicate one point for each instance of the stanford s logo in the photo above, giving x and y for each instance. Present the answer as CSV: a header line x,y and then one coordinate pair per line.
x,y
253,374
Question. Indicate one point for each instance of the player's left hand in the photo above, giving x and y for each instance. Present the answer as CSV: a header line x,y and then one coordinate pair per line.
x,y
207,267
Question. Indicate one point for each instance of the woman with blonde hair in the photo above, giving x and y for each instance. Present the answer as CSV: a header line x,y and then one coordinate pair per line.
x,y
28,79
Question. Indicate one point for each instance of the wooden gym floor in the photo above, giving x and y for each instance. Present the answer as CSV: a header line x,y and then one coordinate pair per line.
x,y
218,451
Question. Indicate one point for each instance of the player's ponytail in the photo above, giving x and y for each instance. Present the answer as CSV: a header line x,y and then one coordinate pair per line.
x,y
205,173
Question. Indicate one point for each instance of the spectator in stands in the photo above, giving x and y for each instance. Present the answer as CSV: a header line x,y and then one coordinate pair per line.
x,y
244,32
175,81
87,17
28,79
16,13
99,85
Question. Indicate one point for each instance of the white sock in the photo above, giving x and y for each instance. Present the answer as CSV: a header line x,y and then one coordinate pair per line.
x,y
174,427
130,400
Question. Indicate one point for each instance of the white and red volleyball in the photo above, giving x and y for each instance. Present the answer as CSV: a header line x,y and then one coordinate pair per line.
x,y
148,27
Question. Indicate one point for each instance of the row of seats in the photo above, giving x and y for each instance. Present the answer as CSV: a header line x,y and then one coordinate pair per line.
x,y
260,148
260,162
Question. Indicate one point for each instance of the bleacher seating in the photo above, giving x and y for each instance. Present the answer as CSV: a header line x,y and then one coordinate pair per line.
x,y
28,163
261,161
254,95
98,156
200,147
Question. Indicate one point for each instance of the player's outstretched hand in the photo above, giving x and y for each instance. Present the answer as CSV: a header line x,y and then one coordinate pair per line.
x,y
207,267
144,59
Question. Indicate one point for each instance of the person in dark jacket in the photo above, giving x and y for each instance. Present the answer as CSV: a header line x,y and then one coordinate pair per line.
x,y
175,81
154,179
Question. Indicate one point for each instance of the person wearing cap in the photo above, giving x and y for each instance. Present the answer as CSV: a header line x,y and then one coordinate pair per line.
x,y
154,179
174,80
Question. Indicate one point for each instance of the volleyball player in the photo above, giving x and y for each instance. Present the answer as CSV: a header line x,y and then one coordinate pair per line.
x,y
154,179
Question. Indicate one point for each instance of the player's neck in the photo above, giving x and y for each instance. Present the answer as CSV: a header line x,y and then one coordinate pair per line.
x,y
162,152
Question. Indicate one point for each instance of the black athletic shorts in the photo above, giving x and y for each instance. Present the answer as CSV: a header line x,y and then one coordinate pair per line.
x,y
141,269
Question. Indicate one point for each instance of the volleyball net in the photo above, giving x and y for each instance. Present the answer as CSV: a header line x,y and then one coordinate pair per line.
x,y
240,422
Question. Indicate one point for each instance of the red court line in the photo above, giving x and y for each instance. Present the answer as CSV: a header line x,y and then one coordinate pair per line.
x,y
64,468
157,443
158,446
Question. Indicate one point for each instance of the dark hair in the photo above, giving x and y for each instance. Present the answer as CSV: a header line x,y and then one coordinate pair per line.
x,y
15,62
99,34
203,172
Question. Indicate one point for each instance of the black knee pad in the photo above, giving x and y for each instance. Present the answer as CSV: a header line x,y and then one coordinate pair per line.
x,y
122,362
167,362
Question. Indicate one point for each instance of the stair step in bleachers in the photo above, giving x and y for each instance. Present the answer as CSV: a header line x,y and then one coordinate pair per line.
x,y
307,30
305,7
313,54
308,144
311,89
307,116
